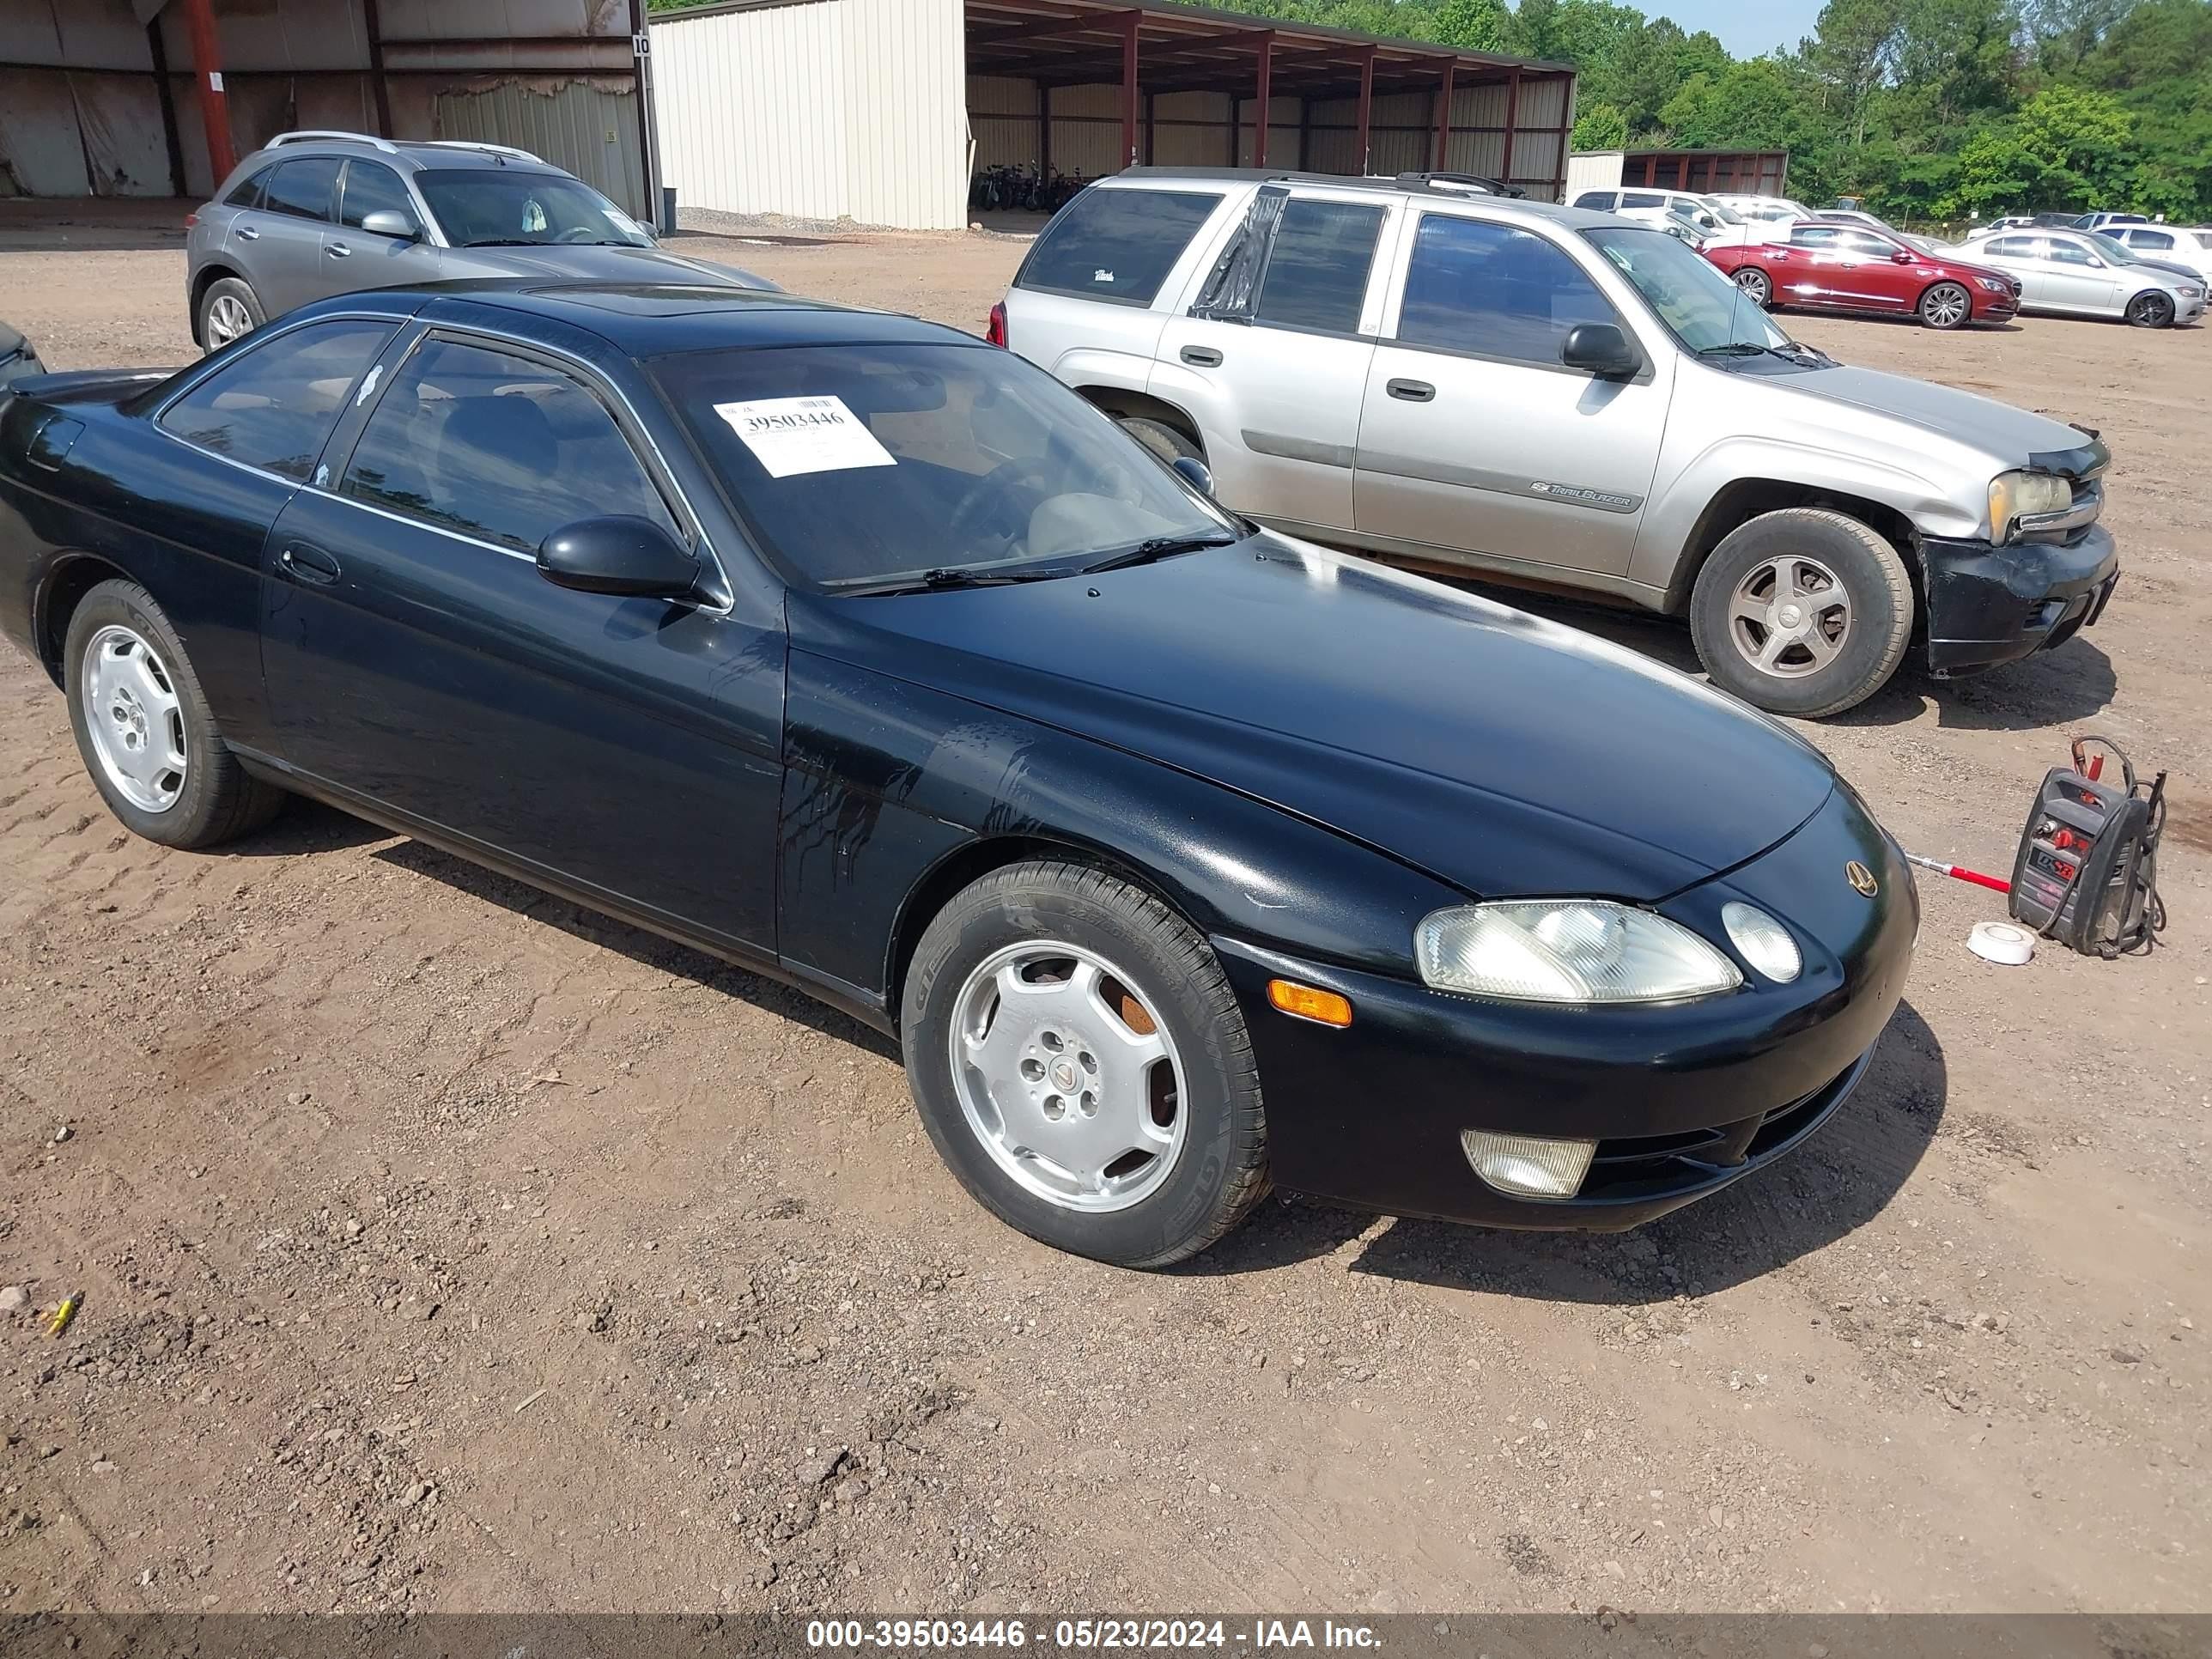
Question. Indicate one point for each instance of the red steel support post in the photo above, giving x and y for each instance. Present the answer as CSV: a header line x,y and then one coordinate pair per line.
x,y
1512,115
1267,99
207,79
1129,90
1444,118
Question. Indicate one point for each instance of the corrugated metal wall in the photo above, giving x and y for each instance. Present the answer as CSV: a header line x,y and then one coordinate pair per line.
x,y
837,109
81,107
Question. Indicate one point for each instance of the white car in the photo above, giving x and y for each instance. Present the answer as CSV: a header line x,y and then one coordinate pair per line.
x,y
1781,210
2169,245
2074,273
1716,224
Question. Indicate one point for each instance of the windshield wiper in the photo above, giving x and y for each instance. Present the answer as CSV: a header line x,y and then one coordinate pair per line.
x,y
1790,351
944,580
1160,547
505,241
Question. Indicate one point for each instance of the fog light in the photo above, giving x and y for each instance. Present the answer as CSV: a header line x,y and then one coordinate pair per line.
x,y
1529,1166
1765,942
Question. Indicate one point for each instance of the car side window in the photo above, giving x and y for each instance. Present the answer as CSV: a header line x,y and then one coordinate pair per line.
x,y
501,447
303,188
372,187
2071,253
246,193
1814,236
1597,201
1116,244
2012,247
1494,290
2155,240
1642,199
273,405
1317,267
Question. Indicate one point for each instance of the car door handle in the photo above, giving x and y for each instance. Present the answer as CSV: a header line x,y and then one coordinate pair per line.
x,y
308,564
1412,392
337,251
247,233
1201,356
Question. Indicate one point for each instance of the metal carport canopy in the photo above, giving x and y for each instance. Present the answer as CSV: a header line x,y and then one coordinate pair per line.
x,y
1181,48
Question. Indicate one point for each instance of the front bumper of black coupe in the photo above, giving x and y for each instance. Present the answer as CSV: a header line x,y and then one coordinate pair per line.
x,y
1682,1099
1988,604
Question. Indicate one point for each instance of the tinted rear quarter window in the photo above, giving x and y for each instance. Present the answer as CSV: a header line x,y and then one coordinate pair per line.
x,y
274,406
1117,244
302,188
1316,275
247,192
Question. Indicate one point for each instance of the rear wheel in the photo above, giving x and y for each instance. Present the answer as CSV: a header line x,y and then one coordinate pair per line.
x,y
2152,310
1947,305
1804,611
1756,285
1083,1067
143,725
229,310
1162,440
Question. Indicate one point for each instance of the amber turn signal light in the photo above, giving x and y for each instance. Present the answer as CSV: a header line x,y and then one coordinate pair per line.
x,y
1307,1002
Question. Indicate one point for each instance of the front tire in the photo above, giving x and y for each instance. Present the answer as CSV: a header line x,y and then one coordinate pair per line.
x,y
2152,310
143,729
1947,305
1757,287
1804,611
1082,1065
229,310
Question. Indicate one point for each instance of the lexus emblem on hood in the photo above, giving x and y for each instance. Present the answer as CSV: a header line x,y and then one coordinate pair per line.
x,y
1862,878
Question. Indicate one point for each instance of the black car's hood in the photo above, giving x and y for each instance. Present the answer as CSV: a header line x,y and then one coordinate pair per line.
x,y
1502,753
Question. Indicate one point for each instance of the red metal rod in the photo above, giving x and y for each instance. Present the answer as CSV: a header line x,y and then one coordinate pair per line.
x,y
1959,872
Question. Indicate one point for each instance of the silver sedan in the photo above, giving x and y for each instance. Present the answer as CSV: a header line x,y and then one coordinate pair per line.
x,y
2080,273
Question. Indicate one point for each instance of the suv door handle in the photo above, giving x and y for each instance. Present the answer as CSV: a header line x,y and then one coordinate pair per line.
x,y
247,233
1412,392
308,564
1201,356
337,250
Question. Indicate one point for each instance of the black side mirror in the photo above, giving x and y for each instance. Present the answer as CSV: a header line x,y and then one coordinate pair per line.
x,y
1196,473
623,556
390,222
1600,349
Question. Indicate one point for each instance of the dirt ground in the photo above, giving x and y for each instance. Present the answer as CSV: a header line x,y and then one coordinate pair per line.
x,y
444,1248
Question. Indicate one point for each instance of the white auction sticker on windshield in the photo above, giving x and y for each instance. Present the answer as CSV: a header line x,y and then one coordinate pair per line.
x,y
795,435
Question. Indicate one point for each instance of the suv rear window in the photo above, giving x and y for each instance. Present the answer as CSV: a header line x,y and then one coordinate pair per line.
x,y
1117,244
1316,275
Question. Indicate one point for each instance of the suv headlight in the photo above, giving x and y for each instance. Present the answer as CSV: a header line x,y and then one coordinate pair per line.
x,y
2017,496
1578,951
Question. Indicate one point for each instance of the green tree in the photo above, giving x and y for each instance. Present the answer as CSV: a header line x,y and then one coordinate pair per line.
x,y
1477,25
2066,146
1599,126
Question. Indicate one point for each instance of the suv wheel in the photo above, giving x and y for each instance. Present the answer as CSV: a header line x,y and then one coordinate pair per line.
x,y
1082,1065
1947,305
229,310
1758,287
1804,611
1162,440
2152,310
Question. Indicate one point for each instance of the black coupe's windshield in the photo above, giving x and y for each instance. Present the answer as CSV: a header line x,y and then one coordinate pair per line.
x,y
1707,311
893,466
502,207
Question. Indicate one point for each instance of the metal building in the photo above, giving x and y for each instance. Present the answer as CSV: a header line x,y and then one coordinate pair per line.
x,y
1705,172
882,111
160,97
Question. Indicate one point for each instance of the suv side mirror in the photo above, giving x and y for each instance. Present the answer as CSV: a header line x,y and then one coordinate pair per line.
x,y
390,222
1602,350
623,554
1196,473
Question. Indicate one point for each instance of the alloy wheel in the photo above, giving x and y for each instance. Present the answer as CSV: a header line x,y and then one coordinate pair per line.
x,y
1754,284
135,719
1947,305
228,319
1066,1076
1790,616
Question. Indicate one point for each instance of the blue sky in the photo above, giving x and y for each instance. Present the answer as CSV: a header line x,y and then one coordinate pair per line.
x,y
1746,27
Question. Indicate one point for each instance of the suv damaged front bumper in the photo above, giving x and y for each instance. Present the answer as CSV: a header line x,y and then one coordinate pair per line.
x,y
1988,604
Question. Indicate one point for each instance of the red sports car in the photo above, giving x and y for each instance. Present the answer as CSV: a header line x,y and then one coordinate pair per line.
x,y
1824,267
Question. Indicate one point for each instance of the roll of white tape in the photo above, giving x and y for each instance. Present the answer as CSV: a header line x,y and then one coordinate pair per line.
x,y
2001,942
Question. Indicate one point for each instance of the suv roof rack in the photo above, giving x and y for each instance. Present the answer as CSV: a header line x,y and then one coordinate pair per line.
x,y
1474,182
309,135
472,143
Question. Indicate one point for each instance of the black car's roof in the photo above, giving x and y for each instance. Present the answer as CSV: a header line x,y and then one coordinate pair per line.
x,y
653,319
